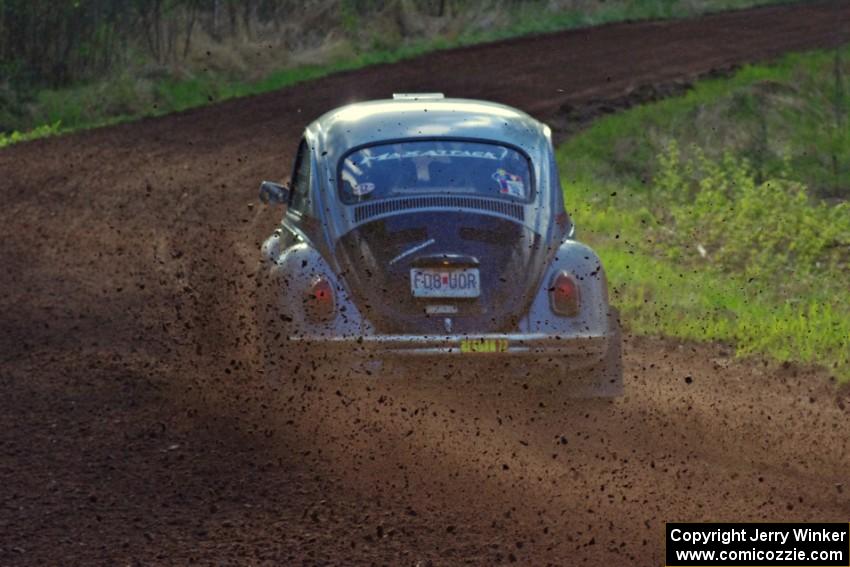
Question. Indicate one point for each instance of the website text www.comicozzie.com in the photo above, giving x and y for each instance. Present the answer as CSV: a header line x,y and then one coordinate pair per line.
x,y
765,544
776,556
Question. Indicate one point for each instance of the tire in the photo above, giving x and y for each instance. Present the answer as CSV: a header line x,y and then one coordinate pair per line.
x,y
605,380
285,368
275,366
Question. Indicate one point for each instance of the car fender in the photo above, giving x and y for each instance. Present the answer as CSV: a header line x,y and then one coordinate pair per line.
x,y
288,274
580,261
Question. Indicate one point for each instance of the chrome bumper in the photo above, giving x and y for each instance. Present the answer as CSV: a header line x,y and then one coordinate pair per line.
x,y
487,345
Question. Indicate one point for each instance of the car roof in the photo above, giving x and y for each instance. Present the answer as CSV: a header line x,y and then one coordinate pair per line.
x,y
426,116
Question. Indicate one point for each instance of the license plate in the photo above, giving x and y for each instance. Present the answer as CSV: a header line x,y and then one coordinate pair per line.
x,y
484,345
442,282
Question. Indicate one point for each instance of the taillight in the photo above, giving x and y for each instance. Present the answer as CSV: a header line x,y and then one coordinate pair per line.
x,y
319,299
564,295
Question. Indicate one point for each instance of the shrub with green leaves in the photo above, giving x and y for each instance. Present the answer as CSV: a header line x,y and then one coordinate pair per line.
x,y
719,214
120,61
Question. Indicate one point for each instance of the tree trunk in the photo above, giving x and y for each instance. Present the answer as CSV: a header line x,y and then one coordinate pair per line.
x,y
193,14
838,111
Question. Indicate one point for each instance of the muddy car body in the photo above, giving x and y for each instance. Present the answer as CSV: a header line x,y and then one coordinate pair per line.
x,y
430,227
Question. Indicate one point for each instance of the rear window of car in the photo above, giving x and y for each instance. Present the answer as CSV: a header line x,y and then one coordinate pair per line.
x,y
435,167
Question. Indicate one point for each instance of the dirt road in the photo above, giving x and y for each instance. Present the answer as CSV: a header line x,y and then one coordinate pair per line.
x,y
132,430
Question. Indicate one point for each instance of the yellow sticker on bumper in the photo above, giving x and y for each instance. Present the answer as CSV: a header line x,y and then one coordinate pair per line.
x,y
484,345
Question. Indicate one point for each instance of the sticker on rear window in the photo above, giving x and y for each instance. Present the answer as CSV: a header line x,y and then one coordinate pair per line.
x,y
362,189
509,184
435,153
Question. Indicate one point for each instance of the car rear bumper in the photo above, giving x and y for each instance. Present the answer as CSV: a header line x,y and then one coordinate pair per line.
x,y
492,345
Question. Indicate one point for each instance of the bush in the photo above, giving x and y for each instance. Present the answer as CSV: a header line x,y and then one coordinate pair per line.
x,y
721,215
96,67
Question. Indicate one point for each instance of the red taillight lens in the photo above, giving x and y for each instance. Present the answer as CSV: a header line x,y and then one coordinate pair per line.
x,y
564,295
319,300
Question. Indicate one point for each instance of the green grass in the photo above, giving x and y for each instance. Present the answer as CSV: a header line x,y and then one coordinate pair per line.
x,y
125,98
705,239
778,116
661,298
130,95
40,132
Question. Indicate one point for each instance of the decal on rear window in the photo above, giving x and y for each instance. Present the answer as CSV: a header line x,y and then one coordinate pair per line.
x,y
362,189
435,153
452,167
509,184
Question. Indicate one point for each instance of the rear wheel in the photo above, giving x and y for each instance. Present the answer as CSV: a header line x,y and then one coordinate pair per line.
x,y
605,380
287,367
601,381
279,367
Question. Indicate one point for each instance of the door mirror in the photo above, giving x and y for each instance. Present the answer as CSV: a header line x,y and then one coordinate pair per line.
x,y
273,193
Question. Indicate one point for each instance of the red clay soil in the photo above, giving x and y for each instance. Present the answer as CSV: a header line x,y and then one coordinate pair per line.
x,y
134,428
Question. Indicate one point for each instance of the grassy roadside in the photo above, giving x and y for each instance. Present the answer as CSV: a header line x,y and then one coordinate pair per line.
x,y
723,215
135,92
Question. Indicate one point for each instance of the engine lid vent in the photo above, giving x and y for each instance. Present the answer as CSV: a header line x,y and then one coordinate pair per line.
x,y
451,202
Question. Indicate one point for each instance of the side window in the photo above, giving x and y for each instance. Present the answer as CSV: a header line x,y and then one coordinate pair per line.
x,y
300,178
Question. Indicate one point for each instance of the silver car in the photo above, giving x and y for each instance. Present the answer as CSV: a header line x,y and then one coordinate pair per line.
x,y
430,228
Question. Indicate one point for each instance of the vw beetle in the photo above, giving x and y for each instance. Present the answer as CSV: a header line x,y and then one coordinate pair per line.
x,y
431,227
